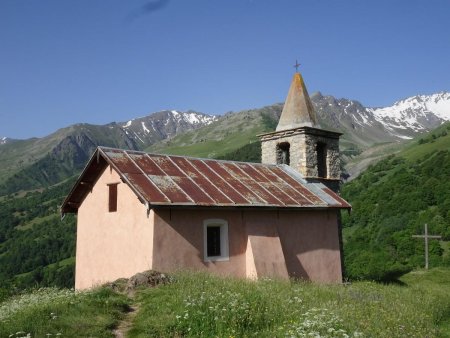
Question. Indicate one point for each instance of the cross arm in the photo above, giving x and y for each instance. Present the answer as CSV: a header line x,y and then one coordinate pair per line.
x,y
427,236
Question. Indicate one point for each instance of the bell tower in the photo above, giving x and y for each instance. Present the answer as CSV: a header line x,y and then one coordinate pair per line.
x,y
299,142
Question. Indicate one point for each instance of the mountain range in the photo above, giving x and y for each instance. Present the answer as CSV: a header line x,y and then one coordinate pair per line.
x,y
403,120
37,162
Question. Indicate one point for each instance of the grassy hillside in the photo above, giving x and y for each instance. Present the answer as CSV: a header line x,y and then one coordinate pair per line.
x,y
231,132
392,201
198,305
431,142
38,163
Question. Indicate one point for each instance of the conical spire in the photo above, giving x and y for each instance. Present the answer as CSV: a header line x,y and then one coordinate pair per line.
x,y
298,110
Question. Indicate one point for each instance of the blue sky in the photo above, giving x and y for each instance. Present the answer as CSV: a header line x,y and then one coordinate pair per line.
x,y
97,61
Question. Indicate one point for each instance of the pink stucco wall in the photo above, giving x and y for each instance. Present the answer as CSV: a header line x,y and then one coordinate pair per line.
x,y
111,245
301,244
178,241
310,242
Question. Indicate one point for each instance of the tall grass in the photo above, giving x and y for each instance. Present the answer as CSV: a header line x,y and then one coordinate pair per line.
x,y
199,305
50,312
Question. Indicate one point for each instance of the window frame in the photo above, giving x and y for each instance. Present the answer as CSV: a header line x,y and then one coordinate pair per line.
x,y
224,240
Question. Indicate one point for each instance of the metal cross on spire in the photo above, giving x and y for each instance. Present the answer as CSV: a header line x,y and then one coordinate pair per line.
x,y
296,65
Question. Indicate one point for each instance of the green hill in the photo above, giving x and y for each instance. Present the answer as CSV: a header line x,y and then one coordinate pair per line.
x,y
231,132
392,201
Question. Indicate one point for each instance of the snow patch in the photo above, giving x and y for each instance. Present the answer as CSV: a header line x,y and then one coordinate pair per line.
x,y
439,104
192,118
405,137
139,137
145,128
127,124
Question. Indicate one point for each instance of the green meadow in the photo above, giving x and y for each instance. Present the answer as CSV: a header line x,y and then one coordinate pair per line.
x,y
201,305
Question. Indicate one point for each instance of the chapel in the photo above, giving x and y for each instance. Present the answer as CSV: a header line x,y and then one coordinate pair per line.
x,y
138,211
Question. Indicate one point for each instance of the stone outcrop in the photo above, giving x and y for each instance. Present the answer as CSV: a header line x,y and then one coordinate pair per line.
x,y
149,278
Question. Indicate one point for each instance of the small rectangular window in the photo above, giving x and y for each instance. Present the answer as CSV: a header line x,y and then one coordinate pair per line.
x,y
215,240
112,204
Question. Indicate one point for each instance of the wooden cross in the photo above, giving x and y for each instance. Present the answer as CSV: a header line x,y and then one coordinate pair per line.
x,y
426,237
296,65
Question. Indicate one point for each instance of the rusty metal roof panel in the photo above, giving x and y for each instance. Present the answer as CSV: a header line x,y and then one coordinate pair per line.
x,y
166,165
177,180
318,190
121,161
219,182
191,189
147,165
235,182
271,183
201,180
341,203
146,188
300,188
170,189
240,174
277,183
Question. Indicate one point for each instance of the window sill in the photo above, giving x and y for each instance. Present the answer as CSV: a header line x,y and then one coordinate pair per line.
x,y
217,259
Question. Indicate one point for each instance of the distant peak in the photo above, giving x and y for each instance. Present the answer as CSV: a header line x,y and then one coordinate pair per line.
x,y
128,124
4,140
316,95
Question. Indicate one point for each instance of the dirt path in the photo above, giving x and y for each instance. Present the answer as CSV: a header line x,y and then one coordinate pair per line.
x,y
127,286
126,323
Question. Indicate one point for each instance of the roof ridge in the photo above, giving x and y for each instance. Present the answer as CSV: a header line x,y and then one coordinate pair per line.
x,y
189,157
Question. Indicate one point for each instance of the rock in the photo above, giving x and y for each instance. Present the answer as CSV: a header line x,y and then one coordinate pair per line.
x,y
148,278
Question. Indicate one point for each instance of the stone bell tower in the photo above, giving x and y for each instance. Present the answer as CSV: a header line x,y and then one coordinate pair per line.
x,y
300,142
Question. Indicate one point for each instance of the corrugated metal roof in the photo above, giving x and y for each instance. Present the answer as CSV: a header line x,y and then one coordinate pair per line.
x,y
165,180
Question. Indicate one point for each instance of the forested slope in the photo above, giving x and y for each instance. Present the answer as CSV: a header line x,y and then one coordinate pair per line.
x,y
36,248
392,201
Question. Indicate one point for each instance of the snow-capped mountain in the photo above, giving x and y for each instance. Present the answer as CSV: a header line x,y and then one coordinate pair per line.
x,y
66,151
403,120
165,124
415,114
4,140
